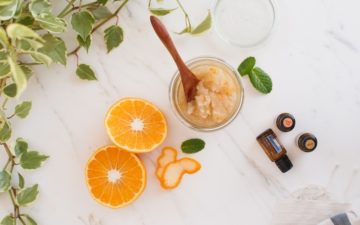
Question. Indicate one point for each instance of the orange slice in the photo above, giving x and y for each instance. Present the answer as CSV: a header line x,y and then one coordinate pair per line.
x,y
115,177
136,125
168,155
174,172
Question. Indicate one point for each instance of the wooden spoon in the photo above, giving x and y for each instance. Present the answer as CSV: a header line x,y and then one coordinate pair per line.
x,y
188,79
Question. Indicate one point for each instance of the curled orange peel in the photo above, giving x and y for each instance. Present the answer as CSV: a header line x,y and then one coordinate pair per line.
x,y
168,155
174,172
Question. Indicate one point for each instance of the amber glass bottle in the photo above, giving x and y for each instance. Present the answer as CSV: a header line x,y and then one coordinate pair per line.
x,y
274,150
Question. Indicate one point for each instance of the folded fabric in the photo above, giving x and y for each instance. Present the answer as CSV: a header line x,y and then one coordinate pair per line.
x,y
308,206
349,218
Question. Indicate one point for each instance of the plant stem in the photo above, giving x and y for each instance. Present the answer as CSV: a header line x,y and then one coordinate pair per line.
x,y
73,52
80,6
67,7
187,18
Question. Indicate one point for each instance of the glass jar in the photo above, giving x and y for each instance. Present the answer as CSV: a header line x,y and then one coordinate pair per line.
x,y
234,98
244,23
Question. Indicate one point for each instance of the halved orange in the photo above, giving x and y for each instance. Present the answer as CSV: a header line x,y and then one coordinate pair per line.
x,y
115,177
136,125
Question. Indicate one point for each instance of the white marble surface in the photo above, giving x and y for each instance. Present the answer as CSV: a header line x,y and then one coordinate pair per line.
x,y
313,58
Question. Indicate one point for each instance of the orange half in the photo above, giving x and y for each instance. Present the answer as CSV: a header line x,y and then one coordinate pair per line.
x,y
136,125
115,177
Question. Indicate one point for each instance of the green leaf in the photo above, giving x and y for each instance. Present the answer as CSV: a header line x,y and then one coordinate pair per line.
x,y
19,31
5,181
82,22
32,160
192,145
84,72
101,12
4,69
203,26
260,80
23,109
8,11
8,220
26,20
185,30
161,11
4,41
86,44
55,48
10,90
102,1
5,133
113,37
38,7
21,146
28,220
51,23
21,181
27,195
18,75
246,66
29,45
40,57
5,2
27,70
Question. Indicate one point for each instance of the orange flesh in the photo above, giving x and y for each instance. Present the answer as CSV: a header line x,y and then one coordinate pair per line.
x,y
136,125
122,189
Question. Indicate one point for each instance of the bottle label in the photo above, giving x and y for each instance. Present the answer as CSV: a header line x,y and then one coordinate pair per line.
x,y
274,143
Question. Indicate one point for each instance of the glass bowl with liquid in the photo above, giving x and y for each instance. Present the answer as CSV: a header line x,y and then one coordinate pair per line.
x,y
244,23
219,97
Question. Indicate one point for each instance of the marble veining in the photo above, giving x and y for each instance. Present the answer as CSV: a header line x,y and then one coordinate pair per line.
x,y
313,59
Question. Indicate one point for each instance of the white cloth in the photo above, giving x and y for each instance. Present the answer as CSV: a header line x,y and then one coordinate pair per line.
x,y
308,206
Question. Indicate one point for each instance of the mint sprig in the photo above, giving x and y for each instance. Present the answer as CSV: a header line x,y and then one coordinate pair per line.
x,y
260,80
192,146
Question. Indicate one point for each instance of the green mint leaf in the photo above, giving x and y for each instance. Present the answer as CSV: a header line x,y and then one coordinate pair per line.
x,y
84,72
8,11
246,66
23,109
192,145
5,181
86,44
18,75
32,160
4,69
101,12
113,37
8,220
21,146
260,80
28,220
203,26
10,90
21,181
55,48
51,23
82,22
161,11
27,195
19,31
5,132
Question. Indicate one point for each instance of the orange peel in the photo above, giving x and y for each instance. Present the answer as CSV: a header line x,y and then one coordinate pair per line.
x,y
168,155
174,172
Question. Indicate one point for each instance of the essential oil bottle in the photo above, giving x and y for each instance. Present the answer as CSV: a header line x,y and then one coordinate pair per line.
x,y
274,150
285,122
307,142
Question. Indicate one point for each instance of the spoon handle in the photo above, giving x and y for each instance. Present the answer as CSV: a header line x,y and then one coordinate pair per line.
x,y
165,38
